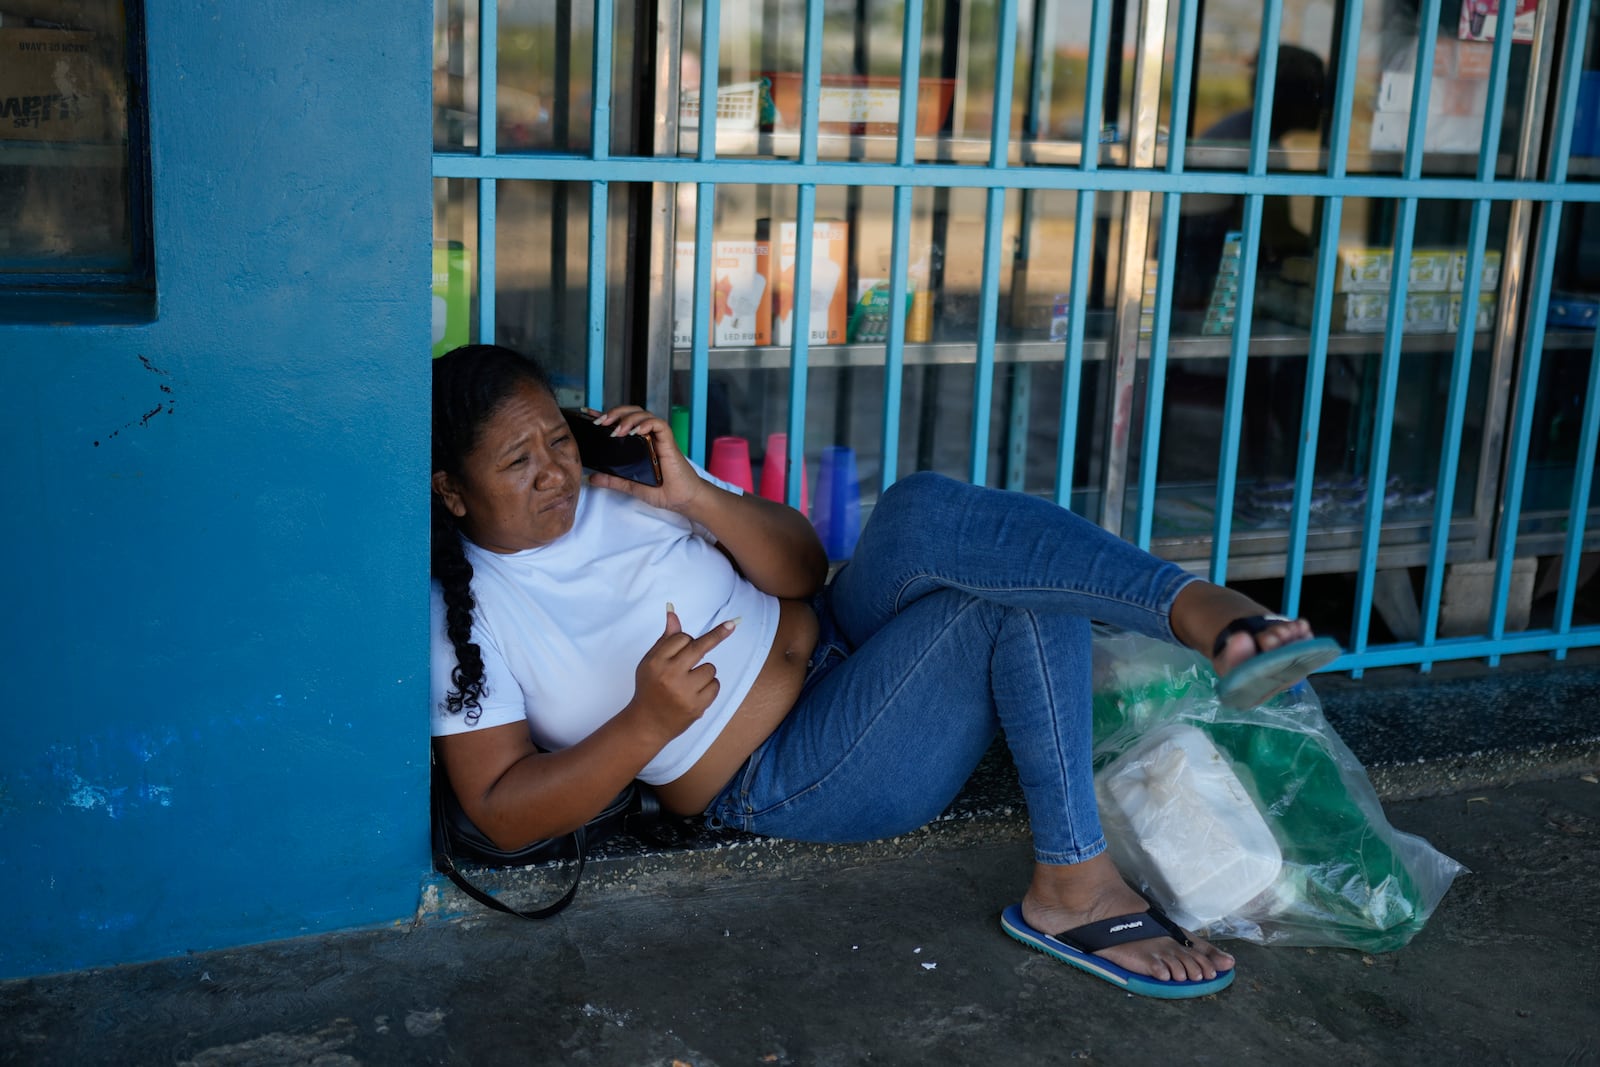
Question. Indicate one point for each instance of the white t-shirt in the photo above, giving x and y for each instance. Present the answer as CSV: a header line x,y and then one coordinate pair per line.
x,y
563,626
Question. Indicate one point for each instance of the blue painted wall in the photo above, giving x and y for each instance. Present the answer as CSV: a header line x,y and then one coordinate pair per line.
x,y
216,574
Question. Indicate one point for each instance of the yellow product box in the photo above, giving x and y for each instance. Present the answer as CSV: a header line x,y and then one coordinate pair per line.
x,y
54,87
1430,270
1427,312
1364,270
1488,278
1359,313
1486,309
830,299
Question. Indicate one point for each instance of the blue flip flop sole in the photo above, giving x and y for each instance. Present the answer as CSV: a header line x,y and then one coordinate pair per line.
x,y
1014,924
1265,673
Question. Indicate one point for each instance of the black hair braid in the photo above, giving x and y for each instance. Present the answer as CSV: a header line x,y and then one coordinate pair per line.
x,y
469,385
450,566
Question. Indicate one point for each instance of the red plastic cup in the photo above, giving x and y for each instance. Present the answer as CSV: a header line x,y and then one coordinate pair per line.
x,y
730,461
775,472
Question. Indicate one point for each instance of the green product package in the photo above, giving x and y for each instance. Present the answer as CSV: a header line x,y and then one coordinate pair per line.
x,y
1348,878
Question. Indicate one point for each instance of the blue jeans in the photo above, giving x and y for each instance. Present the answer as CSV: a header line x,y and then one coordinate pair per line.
x,y
964,611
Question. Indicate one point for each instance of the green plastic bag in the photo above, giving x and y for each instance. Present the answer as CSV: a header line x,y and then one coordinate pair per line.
x,y
1348,878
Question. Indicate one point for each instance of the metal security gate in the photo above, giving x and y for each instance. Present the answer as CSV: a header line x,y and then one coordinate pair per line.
x,y
1110,210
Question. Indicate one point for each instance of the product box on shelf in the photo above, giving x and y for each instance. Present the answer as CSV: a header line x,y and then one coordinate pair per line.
x,y
1430,270
859,104
683,294
52,87
1486,310
741,293
1573,311
830,298
1488,277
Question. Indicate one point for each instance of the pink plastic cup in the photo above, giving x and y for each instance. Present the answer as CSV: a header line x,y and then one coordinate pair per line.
x,y
730,461
775,472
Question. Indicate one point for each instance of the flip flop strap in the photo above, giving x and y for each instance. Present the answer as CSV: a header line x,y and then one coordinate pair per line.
x,y
1250,624
1137,926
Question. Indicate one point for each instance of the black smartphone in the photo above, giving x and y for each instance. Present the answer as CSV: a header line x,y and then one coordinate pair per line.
x,y
633,458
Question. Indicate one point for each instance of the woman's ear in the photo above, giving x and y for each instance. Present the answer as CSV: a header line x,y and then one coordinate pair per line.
x,y
449,494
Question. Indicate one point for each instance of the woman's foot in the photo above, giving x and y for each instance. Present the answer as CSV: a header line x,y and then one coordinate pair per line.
x,y
1066,897
1202,611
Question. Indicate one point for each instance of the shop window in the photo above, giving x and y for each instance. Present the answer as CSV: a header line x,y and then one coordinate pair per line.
x,y
74,191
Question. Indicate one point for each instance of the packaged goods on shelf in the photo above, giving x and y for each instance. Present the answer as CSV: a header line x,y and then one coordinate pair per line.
x,y
1458,97
52,88
1430,270
1573,311
683,294
858,104
1488,277
869,315
1486,309
1363,270
741,297
830,299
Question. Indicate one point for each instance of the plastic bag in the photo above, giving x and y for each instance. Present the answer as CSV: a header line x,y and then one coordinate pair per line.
x,y
1187,788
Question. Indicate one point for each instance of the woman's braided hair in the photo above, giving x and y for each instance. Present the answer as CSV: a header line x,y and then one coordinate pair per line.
x,y
469,385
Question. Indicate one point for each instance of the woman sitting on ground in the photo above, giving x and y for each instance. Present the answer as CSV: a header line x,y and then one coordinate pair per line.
x,y
590,633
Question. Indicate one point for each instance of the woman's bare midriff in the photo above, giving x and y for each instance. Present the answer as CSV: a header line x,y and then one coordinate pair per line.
x,y
763,708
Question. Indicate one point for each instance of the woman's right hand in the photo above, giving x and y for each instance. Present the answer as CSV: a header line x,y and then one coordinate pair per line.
x,y
672,686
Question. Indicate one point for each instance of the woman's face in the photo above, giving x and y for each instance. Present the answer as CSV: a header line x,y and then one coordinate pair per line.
x,y
519,487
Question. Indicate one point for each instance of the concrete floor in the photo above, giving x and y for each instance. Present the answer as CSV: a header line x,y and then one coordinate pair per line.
x,y
850,958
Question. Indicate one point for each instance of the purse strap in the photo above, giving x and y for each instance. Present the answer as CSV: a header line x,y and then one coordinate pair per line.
x,y
444,862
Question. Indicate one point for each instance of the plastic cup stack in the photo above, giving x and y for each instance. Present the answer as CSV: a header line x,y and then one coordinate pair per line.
x,y
730,461
838,506
775,472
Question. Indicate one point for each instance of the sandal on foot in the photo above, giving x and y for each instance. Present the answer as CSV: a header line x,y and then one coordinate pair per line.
x,y
1076,946
1268,673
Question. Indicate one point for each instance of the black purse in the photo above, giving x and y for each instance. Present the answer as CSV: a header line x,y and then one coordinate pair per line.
x,y
636,810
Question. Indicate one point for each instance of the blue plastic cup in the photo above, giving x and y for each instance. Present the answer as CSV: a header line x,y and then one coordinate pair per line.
x,y
836,511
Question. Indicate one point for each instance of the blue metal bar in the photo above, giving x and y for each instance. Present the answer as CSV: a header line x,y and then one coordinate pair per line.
x,y
1004,84
1456,648
988,320
1383,419
993,243
1072,371
1578,513
1094,94
488,75
1071,179
1421,90
1233,397
600,90
910,84
1249,249
800,348
700,336
486,261
1528,387
1182,85
811,83
1321,312
595,375
1461,365
710,58
894,355
900,246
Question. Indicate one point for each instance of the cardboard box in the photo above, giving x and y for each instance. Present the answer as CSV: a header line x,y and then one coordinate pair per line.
x,y
55,87
683,294
1363,270
1486,310
830,298
1488,277
1359,313
1430,270
741,293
